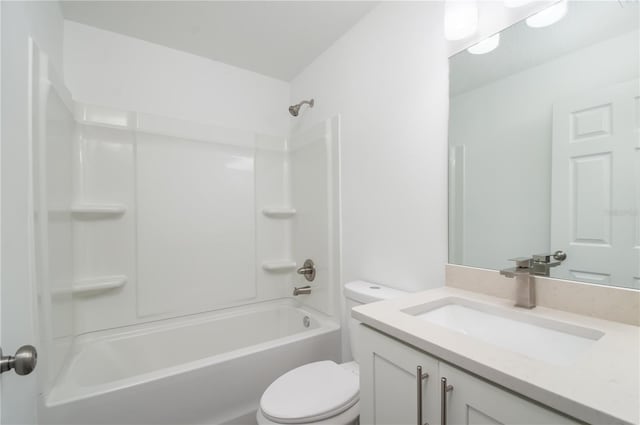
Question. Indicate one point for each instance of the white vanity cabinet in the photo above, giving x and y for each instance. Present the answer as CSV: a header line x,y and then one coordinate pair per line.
x,y
389,390
389,381
475,401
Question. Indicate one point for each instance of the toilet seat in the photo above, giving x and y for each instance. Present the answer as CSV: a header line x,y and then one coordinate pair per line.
x,y
310,393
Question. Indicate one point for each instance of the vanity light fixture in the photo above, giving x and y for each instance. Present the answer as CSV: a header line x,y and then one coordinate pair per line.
x,y
485,46
549,16
460,19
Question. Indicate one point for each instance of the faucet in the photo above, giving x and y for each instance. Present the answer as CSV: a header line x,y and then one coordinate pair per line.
x,y
303,290
308,270
525,271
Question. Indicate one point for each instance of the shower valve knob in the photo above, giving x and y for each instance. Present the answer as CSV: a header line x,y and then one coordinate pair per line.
x,y
308,270
24,362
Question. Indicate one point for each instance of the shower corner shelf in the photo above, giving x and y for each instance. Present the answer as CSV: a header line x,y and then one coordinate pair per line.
x,y
96,210
279,212
279,266
96,285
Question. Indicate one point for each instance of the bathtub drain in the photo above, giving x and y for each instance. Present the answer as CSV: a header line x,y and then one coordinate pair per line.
x,y
306,321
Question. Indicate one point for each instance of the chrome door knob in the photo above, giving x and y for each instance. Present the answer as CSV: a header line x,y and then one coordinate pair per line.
x,y
23,362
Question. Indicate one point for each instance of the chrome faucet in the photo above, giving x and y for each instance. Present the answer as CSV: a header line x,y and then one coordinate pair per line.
x,y
308,270
525,271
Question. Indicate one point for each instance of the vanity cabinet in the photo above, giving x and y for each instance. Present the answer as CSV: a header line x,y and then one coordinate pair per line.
x,y
389,390
389,381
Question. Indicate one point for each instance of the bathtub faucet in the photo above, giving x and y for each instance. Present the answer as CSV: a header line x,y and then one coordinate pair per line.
x,y
304,290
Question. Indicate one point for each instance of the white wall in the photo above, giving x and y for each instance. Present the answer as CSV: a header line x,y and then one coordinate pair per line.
x,y
506,128
109,69
20,20
388,79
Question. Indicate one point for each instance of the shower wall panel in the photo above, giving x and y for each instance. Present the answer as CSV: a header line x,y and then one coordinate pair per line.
x,y
51,149
105,242
196,225
315,193
273,235
169,218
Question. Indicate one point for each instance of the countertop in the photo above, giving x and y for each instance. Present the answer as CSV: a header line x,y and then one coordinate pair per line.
x,y
602,386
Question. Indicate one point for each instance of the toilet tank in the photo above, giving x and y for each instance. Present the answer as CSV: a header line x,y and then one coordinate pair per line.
x,y
360,292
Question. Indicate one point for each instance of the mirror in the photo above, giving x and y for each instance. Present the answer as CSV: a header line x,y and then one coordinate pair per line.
x,y
544,146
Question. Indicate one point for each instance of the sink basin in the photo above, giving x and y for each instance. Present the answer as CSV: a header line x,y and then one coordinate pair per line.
x,y
534,336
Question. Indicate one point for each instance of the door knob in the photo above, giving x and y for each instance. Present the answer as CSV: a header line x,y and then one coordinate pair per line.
x,y
23,362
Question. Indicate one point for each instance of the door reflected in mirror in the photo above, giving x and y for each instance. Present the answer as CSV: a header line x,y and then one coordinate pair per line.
x,y
544,146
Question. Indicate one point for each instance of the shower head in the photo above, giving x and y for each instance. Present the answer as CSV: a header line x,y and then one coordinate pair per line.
x,y
295,109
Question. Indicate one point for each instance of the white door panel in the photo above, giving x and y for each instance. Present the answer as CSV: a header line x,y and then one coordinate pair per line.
x,y
36,228
18,396
595,186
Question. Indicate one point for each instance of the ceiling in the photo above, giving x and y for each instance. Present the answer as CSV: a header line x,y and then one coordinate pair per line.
x,y
274,38
522,47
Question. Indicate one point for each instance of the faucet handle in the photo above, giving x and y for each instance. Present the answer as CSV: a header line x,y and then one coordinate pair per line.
x,y
546,258
542,258
542,263
560,255
522,262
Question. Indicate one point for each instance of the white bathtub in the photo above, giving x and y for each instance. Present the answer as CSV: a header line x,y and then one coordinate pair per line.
x,y
211,368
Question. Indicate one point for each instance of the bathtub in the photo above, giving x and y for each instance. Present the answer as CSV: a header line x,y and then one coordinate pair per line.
x,y
210,368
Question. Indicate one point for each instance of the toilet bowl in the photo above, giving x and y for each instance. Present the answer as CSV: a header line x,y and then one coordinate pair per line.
x,y
323,392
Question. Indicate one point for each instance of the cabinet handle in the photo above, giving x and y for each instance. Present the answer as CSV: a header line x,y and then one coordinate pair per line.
x,y
419,378
444,389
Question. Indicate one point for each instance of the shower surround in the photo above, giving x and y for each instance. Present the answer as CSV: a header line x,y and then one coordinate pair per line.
x,y
152,230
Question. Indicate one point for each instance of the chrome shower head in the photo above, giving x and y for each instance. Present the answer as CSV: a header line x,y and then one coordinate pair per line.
x,y
294,110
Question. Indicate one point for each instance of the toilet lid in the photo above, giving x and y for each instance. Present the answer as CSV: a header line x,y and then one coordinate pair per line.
x,y
309,393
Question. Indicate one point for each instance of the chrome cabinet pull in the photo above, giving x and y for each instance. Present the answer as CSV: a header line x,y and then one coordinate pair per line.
x,y
444,389
419,378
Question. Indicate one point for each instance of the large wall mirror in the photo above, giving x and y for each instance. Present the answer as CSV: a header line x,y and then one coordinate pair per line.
x,y
544,146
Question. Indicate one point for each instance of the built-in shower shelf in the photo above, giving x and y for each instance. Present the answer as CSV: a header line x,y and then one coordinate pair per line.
x,y
95,210
279,212
96,285
280,266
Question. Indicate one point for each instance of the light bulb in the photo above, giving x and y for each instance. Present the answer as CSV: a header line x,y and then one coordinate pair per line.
x,y
485,46
549,16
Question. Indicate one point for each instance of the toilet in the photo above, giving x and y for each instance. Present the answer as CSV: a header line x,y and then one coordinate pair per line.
x,y
323,392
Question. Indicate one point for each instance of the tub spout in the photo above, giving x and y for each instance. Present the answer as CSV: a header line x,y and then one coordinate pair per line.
x,y
304,290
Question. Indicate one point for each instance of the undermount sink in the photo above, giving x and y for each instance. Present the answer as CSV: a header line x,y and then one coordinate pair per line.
x,y
534,336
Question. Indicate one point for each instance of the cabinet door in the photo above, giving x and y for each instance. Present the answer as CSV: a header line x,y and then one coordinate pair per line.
x,y
474,401
389,383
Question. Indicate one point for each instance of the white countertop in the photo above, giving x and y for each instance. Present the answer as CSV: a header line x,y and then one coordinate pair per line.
x,y
602,386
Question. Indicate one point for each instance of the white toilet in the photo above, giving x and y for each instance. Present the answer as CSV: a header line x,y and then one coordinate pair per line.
x,y
323,392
